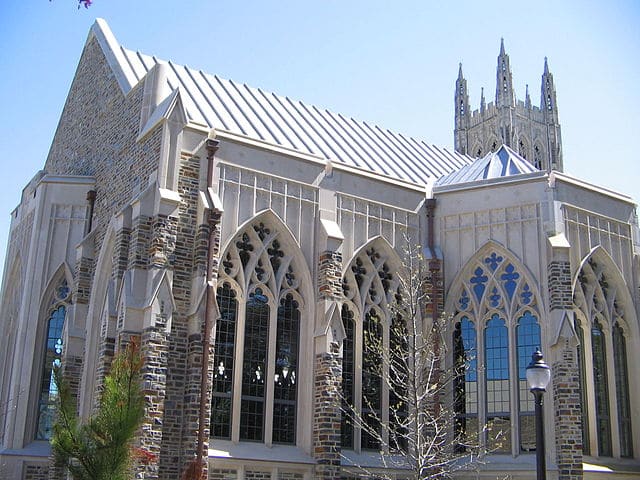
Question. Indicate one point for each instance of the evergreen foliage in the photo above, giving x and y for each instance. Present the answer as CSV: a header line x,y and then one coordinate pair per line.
x,y
102,448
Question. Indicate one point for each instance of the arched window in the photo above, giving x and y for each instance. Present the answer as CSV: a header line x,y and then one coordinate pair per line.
x,y
466,383
496,347
256,267
52,357
599,303
348,373
372,381
622,391
528,337
494,303
370,288
254,367
600,380
537,157
223,363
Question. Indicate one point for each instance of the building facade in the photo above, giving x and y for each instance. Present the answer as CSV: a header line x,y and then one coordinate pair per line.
x,y
162,180
533,132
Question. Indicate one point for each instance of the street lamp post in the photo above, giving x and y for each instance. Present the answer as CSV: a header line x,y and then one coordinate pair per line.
x,y
538,376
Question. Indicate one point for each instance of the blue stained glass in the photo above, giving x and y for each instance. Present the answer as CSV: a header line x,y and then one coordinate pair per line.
x,y
493,261
497,349
478,281
468,331
464,300
528,340
494,298
525,296
509,277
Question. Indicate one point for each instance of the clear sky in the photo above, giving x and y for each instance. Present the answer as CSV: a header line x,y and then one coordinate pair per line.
x,y
389,63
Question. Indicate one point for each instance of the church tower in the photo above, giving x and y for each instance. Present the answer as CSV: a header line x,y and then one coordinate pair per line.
x,y
534,132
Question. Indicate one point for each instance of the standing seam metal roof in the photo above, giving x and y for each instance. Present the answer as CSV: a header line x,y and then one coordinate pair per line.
x,y
237,108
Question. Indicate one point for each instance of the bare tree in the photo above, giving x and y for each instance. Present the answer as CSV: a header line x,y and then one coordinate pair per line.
x,y
421,438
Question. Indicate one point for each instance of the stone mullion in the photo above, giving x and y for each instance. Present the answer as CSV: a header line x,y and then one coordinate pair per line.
x,y
565,380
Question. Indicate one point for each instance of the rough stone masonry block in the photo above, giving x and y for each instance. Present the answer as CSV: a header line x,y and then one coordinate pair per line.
x,y
327,415
567,415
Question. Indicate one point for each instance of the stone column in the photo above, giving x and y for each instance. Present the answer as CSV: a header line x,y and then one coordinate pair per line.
x,y
327,415
565,368
154,351
327,401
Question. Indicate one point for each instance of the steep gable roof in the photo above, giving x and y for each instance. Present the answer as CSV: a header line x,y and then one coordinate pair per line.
x,y
502,163
225,105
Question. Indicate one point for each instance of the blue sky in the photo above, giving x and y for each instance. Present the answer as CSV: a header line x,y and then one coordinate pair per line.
x,y
389,63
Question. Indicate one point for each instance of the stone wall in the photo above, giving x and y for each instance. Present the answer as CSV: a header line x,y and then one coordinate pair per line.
x,y
327,415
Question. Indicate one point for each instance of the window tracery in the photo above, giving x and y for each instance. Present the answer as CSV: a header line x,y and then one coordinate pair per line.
x,y
601,328
260,306
493,299
369,288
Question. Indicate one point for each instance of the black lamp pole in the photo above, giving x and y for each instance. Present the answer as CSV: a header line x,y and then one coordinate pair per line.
x,y
538,376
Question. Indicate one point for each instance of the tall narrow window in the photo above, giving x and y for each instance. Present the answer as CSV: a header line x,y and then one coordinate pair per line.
x,y
223,363
600,386
528,336
398,378
52,358
371,381
285,378
256,335
584,404
348,375
466,384
622,391
496,347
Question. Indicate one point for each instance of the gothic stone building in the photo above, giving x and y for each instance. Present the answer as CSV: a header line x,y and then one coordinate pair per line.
x,y
305,212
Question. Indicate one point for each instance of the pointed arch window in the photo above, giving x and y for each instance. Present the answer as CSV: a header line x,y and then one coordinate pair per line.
x,y
622,391
52,358
601,389
268,326
528,337
466,383
605,387
495,303
223,363
372,381
348,373
370,288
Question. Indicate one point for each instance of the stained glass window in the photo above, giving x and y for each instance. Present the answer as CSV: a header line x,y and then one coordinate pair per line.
x,y
52,358
466,383
601,389
528,337
221,406
622,391
371,381
286,368
348,375
496,347
254,367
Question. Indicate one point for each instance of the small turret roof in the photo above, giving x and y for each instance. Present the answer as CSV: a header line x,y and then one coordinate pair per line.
x,y
502,163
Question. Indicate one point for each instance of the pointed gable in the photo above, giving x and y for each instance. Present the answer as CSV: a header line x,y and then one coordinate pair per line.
x,y
252,113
